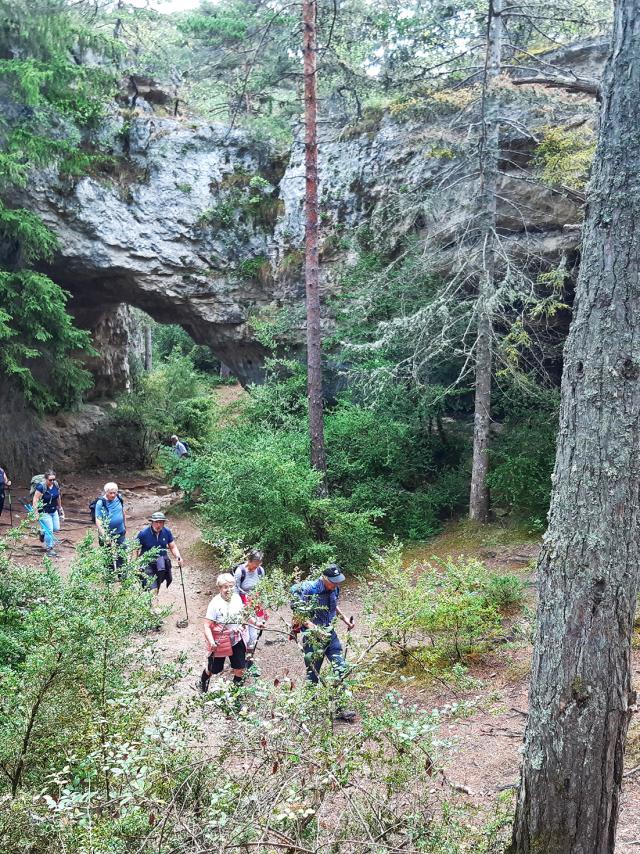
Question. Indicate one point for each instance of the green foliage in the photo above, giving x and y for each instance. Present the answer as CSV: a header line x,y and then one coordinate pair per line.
x,y
243,198
522,459
172,398
70,681
256,486
54,100
564,156
381,460
34,324
257,268
437,614
168,338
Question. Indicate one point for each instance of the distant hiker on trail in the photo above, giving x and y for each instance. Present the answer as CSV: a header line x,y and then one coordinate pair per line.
x,y
110,521
157,536
47,509
246,576
5,483
315,609
179,448
226,633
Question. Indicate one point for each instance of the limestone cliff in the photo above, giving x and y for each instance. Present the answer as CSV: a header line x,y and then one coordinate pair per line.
x,y
202,225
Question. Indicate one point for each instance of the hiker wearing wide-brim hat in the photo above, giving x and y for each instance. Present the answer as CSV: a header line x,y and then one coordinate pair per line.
x,y
315,610
157,536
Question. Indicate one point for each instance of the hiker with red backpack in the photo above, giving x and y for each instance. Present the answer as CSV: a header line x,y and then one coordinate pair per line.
x,y
109,517
247,575
225,631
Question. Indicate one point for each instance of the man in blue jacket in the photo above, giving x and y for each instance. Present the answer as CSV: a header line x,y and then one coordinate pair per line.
x,y
157,536
315,610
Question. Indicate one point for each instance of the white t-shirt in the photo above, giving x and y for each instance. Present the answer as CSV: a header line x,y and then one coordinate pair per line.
x,y
228,614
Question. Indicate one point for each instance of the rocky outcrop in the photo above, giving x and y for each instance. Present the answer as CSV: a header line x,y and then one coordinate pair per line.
x,y
202,225
183,233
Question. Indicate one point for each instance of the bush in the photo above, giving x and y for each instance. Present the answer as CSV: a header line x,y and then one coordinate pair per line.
x,y
172,398
256,486
70,679
441,613
522,461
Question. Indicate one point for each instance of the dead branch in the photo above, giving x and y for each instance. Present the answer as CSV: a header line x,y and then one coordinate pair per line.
x,y
586,85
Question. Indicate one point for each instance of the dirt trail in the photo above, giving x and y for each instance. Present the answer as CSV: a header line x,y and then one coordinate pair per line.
x,y
486,741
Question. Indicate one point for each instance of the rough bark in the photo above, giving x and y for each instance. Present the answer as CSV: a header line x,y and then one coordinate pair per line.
x,y
311,260
588,570
489,159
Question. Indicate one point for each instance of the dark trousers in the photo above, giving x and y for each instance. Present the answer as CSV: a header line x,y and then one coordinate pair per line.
x,y
315,652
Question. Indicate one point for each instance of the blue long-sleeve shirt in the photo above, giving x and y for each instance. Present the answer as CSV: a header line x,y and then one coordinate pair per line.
x,y
318,603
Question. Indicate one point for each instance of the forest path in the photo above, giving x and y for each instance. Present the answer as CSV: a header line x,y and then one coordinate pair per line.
x,y
483,723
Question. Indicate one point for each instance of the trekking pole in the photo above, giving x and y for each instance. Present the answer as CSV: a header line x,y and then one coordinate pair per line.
x,y
182,624
10,508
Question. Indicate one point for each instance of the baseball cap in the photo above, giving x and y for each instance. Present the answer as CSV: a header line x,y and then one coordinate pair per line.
x,y
333,573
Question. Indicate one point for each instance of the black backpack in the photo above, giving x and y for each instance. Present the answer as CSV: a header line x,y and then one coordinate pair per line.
x,y
187,448
92,506
243,574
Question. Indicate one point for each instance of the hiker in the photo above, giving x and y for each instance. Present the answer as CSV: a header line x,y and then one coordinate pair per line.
x,y
48,510
157,536
111,522
315,608
226,633
179,448
246,576
5,483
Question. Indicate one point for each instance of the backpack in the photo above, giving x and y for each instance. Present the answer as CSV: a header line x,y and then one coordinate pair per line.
x,y
35,481
92,506
243,574
187,448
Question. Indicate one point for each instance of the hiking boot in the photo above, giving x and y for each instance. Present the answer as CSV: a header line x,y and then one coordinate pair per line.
x,y
52,553
203,682
347,715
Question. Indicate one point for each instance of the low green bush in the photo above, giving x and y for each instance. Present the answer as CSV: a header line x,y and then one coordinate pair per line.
x,y
173,398
441,613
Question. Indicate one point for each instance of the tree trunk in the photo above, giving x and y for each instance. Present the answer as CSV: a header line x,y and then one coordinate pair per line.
x,y
148,348
588,569
489,158
311,260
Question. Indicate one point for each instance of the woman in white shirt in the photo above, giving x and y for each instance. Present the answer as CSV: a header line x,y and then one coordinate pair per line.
x,y
226,632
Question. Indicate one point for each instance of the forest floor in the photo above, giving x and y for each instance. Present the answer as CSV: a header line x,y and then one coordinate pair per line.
x,y
484,721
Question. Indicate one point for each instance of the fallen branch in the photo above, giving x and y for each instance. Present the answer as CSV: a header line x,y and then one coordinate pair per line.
x,y
585,85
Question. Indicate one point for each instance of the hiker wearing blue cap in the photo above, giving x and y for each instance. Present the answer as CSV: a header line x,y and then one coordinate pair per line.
x,y
315,610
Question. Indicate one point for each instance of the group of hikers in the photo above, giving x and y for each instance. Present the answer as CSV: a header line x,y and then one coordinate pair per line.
x,y
234,620
234,623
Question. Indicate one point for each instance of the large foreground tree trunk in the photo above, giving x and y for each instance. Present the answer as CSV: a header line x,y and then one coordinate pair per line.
x,y
311,259
588,570
489,158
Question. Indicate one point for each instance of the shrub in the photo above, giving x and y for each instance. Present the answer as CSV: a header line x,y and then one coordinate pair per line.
x,y
173,397
257,487
438,614
522,460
